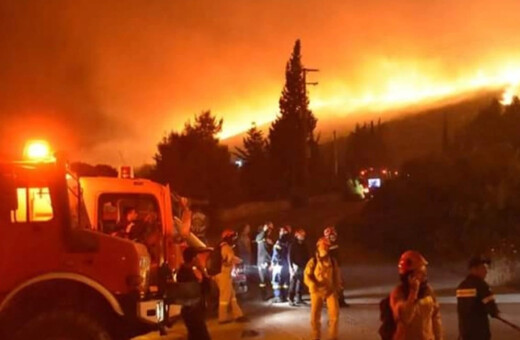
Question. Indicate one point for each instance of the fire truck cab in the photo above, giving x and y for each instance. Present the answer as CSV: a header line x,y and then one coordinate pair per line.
x,y
107,198
59,278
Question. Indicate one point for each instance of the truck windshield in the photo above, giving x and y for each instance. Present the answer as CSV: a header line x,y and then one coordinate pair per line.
x,y
78,213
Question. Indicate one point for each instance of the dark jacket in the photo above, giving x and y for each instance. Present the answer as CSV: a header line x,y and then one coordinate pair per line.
x,y
281,251
264,247
298,254
475,302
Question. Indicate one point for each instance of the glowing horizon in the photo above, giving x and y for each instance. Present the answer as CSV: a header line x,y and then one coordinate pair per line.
x,y
413,88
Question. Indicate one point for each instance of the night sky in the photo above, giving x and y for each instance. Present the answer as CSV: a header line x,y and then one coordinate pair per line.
x,y
106,79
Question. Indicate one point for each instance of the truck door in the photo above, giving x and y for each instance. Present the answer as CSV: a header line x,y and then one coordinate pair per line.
x,y
31,227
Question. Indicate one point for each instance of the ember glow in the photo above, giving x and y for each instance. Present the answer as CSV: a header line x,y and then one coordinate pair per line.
x,y
112,77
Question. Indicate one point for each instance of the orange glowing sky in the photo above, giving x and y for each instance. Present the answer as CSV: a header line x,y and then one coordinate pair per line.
x,y
111,77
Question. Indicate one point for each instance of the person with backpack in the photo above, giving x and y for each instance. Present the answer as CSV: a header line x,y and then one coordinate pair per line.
x,y
414,306
263,259
228,308
280,265
194,314
322,277
298,258
332,235
475,302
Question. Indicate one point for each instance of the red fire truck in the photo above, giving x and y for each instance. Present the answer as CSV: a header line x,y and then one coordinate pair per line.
x,y
59,279
106,199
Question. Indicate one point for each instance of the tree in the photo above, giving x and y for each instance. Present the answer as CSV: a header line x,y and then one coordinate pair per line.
x,y
255,170
366,147
195,164
87,170
206,127
291,135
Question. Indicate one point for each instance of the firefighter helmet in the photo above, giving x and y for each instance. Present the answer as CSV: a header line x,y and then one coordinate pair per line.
x,y
330,231
411,260
229,234
300,234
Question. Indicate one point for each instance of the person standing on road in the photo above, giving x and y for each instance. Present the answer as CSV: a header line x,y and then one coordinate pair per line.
x,y
263,260
298,258
332,235
413,303
227,298
193,315
280,265
475,302
322,276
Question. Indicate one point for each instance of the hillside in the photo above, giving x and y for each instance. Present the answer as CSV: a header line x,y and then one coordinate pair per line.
x,y
409,132
421,133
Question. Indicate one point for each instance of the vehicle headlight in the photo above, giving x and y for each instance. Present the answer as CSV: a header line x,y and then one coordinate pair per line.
x,y
144,271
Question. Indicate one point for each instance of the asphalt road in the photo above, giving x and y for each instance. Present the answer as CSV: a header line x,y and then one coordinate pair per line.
x,y
366,285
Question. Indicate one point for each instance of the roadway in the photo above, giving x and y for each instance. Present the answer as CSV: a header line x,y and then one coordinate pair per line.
x,y
366,285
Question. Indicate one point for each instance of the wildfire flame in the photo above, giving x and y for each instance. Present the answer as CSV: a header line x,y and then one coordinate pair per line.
x,y
395,85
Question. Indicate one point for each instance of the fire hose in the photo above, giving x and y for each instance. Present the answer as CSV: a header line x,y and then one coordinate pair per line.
x,y
509,323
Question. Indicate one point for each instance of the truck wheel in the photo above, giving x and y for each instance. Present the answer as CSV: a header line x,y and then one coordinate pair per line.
x,y
63,325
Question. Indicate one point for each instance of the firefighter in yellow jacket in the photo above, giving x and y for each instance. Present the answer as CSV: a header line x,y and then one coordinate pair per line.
x,y
413,302
228,308
322,276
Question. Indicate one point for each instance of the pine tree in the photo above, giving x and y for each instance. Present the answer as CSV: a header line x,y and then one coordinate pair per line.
x,y
255,171
255,145
445,136
195,165
291,136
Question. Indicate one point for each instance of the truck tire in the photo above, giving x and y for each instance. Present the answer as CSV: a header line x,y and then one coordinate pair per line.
x,y
63,325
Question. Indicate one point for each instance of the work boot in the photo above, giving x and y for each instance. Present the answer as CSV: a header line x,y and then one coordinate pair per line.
x,y
263,294
242,319
223,322
301,302
343,303
277,300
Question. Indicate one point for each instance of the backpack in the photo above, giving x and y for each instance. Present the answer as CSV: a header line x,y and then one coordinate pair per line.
x,y
388,324
214,262
312,263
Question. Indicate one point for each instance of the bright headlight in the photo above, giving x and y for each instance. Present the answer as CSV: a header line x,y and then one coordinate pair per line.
x,y
144,271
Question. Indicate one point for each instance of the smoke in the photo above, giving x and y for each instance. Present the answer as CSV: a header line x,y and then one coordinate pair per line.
x,y
107,79
47,78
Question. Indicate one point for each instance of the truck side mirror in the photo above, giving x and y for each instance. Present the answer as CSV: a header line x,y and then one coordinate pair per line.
x,y
8,194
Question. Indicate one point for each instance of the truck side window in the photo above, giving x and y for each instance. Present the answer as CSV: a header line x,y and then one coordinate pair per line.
x,y
111,207
34,205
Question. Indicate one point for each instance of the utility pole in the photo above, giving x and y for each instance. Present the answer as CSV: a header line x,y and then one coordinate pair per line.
x,y
305,128
335,146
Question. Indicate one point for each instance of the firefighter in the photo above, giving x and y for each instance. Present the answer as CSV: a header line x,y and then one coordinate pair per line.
x,y
227,298
331,234
194,314
130,227
263,261
280,265
322,277
413,303
475,302
298,258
